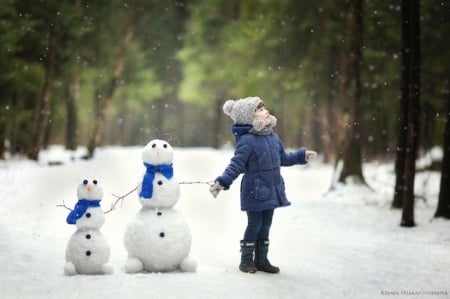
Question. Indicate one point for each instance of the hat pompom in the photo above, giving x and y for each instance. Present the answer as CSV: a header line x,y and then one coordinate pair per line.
x,y
273,121
228,107
258,124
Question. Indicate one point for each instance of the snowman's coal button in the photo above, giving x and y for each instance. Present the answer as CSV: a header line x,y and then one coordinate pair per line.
x,y
162,235
88,236
159,213
160,182
88,215
88,253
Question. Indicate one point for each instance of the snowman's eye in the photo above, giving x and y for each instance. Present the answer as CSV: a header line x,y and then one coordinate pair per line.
x,y
85,182
165,145
154,145
95,182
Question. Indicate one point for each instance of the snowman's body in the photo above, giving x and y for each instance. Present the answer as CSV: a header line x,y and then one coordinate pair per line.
x,y
87,251
158,238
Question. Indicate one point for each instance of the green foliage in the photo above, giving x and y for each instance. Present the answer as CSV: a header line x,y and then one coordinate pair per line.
x,y
187,58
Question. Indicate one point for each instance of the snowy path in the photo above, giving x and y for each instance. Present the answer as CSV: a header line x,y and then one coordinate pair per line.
x,y
326,247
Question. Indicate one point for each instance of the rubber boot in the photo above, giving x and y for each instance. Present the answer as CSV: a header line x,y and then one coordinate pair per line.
x,y
261,261
247,249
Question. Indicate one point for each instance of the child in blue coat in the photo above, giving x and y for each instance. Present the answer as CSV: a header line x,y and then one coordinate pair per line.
x,y
259,154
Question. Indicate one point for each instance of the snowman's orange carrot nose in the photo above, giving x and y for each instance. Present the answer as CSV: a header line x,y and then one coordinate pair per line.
x,y
89,188
158,152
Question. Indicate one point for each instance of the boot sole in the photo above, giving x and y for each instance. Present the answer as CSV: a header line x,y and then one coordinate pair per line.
x,y
262,269
249,271
271,272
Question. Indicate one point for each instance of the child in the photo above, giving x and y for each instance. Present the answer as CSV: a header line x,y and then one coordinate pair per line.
x,y
259,154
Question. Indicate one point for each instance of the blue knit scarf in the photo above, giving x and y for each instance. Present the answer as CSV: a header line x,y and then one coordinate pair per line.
x,y
147,183
80,208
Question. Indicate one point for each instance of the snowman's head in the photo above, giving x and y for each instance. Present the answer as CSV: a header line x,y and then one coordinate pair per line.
x,y
94,217
89,190
157,152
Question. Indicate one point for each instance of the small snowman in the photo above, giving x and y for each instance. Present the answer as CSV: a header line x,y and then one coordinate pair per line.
x,y
158,238
87,251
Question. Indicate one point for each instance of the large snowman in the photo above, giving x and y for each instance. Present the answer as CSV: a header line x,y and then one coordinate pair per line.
x,y
87,251
158,239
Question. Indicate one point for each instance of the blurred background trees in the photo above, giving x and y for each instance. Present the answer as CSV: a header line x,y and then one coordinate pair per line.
x,y
91,73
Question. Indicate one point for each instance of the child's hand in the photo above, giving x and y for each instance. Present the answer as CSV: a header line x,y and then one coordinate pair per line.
x,y
215,189
311,156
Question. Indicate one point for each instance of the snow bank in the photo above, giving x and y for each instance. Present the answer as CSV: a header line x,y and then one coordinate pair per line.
x,y
344,244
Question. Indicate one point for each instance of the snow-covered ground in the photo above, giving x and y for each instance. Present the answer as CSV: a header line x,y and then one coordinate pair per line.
x,y
345,244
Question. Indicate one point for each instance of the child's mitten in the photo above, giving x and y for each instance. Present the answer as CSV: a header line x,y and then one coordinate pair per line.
x,y
215,189
311,156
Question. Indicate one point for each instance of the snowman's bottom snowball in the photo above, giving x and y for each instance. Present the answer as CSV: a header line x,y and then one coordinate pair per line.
x,y
70,269
188,265
160,239
134,265
87,252
107,269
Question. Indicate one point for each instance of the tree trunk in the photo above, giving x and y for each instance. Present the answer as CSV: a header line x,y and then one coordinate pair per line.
x,y
103,96
443,209
411,36
403,121
44,106
158,116
72,98
2,141
217,124
4,117
330,122
72,90
352,154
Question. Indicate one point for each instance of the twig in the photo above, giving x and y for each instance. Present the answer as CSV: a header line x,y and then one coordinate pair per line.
x,y
122,197
113,206
210,183
119,198
64,206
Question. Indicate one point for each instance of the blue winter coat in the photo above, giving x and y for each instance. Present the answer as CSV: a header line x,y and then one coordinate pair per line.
x,y
259,157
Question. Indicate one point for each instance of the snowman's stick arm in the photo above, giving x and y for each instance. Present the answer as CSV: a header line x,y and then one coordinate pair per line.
x,y
210,183
113,206
63,205
119,198
125,195
122,197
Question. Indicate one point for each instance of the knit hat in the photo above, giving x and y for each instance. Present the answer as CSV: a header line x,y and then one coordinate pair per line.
x,y
242,110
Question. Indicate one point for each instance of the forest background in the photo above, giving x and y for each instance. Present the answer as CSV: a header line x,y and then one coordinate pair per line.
x,y
355,80
109,72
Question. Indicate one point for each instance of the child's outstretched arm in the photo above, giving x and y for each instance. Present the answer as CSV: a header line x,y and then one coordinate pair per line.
x,y
233,170
301,156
